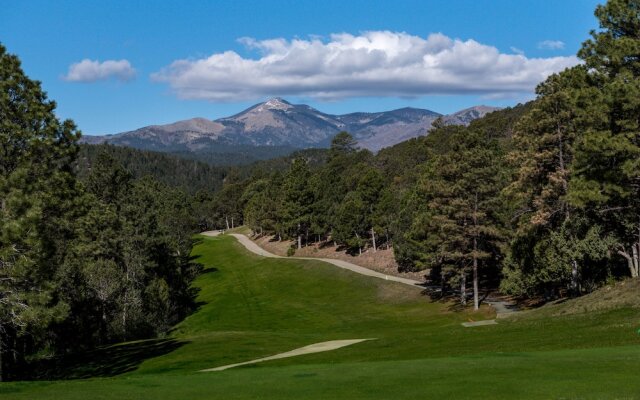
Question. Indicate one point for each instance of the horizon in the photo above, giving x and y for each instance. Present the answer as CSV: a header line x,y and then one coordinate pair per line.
x,y
115,68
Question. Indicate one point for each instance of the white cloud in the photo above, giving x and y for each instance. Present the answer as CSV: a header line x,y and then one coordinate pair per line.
x,y
377,63
517,50
92,71
551,45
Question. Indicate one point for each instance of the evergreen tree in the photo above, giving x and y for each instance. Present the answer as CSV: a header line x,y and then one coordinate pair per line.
x,y
607,167
36,186
458,226
297,201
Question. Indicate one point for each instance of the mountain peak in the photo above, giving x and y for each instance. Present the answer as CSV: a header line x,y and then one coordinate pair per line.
x,y
277,103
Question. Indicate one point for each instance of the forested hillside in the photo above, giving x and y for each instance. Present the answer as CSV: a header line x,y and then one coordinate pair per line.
x,y
541,199
83,262
191,176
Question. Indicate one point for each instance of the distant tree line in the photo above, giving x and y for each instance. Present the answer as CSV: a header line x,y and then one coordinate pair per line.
x,y
83,262
188,175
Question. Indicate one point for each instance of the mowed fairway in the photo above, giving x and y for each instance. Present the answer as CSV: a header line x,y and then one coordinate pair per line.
x,y
252,307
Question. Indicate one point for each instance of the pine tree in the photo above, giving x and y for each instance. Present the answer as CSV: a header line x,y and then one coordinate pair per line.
x,y
297,200
458,227
607,167
36,185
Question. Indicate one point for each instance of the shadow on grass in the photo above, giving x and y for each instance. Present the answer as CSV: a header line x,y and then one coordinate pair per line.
x,y
102,362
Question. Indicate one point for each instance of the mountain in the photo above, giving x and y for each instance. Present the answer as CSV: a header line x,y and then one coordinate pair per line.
x,y
378,130
464,117
278,123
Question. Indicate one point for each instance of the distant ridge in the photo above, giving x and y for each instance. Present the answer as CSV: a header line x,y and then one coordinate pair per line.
x,y
276,122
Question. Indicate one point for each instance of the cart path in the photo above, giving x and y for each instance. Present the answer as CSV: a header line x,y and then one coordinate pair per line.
x,y
253,247
312,348
502,308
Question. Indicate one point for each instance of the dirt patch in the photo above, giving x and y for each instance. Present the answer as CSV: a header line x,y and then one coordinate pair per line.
x,y
382,260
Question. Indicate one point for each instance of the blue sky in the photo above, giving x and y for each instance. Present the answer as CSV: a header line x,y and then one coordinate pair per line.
x,y
315,63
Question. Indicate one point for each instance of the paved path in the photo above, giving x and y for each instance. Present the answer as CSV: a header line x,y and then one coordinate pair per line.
x,y
211,233
253,247
313,348
502,308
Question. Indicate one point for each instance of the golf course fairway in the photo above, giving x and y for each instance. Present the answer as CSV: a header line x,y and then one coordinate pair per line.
x,y
252,307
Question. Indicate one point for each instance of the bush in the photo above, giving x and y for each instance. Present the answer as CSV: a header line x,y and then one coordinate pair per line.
x,y
291,251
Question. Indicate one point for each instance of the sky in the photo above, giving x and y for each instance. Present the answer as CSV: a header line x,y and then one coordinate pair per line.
x,y
121,65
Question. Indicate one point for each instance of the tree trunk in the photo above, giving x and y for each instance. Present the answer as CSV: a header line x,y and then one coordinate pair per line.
x,y
630,263
232,226
1,356
463,289
636,259
299,241
475,253
226,218
373,237
574,277
124,321
476,304
103,325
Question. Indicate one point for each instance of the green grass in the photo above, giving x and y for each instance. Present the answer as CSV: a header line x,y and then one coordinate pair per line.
x,y
254,307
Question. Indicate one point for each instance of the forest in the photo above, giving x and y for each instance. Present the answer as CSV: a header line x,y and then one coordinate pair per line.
x,y
85,259
538,200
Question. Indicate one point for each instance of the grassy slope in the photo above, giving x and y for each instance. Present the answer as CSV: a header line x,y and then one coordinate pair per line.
x,y
254,307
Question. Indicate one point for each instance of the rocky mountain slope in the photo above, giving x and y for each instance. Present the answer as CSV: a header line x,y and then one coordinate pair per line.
x,y
277,122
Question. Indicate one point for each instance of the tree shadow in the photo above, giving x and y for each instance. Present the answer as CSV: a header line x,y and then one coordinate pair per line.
x,y
102,362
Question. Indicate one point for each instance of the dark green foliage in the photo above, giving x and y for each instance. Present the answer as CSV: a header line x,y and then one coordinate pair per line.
x,y
457,227
191,176
578,181
221,155
37,192
80,264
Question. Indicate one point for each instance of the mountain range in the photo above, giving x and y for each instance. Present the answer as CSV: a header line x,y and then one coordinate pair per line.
x,y
277,122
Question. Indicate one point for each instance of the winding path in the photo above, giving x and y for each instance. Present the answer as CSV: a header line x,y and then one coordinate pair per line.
x,y
254,248
502,308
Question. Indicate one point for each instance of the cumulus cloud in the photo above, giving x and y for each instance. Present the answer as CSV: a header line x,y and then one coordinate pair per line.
x,y
376,63
92,71
551,45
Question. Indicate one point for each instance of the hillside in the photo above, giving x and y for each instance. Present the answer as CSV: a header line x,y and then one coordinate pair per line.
x,y
618,295
191,176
